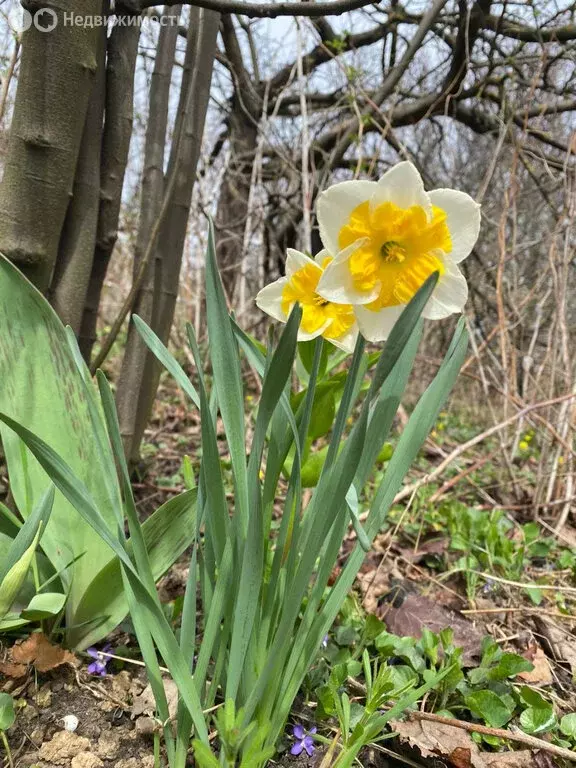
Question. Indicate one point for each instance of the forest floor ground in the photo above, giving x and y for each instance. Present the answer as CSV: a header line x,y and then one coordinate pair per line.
x,y
519,590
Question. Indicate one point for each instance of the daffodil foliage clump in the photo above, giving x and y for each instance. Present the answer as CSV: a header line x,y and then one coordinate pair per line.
x,y
263,562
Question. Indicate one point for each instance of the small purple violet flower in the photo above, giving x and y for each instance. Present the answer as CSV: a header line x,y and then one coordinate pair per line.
x,y
325,641
98,667
302,740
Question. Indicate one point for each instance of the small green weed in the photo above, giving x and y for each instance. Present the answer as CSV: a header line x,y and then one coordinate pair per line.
x,y
365,673
485,541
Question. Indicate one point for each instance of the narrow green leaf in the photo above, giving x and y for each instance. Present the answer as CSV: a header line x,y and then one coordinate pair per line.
x,y
29,532
227,377
15,577
9,523
166,358
253,560
167,533
203,755
419,425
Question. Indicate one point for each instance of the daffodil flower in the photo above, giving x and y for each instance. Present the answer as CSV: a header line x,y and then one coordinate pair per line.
x,y
390,236
320,317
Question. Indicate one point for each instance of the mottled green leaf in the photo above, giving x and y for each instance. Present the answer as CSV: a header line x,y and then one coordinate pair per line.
x,y
43,390
568,725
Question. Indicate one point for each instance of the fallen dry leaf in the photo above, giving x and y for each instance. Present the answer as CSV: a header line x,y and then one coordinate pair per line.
x,y
13,670
38,651
457,746
145,704
541,673
373,585
559,641
417,612
426,549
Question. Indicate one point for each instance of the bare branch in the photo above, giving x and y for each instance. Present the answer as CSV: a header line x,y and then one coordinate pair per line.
x,y
266,10
531,34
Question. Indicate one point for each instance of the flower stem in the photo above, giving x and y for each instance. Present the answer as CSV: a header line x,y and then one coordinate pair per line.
x,y
7,748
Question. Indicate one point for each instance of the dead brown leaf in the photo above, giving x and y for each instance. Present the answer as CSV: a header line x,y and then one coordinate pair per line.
x,y
461,758
457,746
38,651
417,612
145,703
373,585
13,670
541,673
559,641
426,549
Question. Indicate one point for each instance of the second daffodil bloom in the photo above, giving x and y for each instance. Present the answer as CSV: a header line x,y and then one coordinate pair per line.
x,y
389,237
320,317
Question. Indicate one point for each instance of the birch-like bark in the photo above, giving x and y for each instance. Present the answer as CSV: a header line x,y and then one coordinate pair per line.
x,y
135,405
54,84
121,64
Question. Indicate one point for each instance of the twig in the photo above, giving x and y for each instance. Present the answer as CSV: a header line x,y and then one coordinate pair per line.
x,y
459,450
266,10
8,78
514,734
130,661
509,582
449,484
305,139
524,609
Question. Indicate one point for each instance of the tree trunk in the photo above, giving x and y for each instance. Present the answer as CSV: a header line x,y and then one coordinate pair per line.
x,y
233,203
151,203
69,284
136,392
122,54
54,86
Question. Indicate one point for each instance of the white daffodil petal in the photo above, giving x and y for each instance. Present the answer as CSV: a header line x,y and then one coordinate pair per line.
x,y
450,294
303,336
463,219
403,186
347,341
296,260
345,254
320,256
337,285
335,206
269,299
376,326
